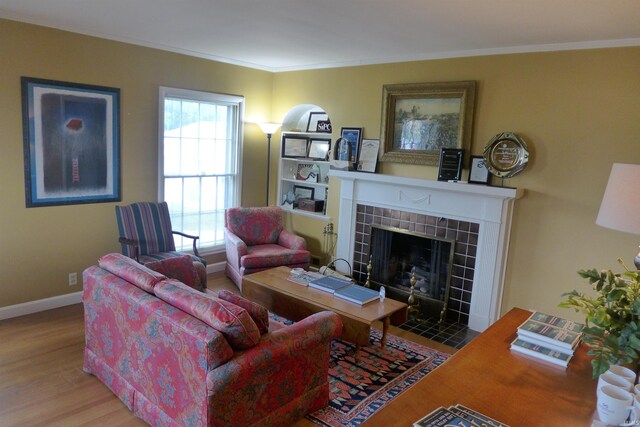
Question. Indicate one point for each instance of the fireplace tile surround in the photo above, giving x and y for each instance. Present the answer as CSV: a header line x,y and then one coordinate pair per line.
x,y
464,233
478,217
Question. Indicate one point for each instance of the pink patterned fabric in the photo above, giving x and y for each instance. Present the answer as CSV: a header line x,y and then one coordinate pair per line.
x,y
255,226
181,268
255,240
303,384
131,271
232,321
172,369
265,256
137,344
258,313
289,240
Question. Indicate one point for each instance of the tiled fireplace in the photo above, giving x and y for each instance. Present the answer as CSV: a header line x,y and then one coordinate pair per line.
x,y
464,233
477,217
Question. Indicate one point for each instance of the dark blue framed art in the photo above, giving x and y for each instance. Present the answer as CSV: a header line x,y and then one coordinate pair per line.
x,y
71,143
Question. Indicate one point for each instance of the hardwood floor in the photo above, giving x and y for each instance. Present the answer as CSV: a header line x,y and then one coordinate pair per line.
x,y
41,377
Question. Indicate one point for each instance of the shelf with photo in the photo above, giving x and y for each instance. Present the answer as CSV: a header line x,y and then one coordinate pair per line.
x,y
304,160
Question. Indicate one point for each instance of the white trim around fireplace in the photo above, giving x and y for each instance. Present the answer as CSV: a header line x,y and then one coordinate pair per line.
x,y
490,207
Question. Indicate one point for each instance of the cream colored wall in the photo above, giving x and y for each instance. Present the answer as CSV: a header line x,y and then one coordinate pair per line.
x,y
579,112
40,246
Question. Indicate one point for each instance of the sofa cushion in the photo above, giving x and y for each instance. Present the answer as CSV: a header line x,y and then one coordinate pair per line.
x,y
229,319
181,268
258,313
131,271
263,256
255,226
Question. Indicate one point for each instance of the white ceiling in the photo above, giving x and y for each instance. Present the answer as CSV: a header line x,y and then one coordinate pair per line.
x,y
281,35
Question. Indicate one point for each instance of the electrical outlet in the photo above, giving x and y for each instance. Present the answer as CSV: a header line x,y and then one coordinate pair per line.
x,y
73,279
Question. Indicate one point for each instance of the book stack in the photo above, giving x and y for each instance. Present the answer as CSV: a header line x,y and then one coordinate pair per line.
x,y
345,289
548,338
457,416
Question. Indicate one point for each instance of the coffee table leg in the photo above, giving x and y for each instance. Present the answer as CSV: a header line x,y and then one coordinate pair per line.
x,y
385,327
355,356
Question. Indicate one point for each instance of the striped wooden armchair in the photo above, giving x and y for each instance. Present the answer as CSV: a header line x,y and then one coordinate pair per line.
x,y
146,234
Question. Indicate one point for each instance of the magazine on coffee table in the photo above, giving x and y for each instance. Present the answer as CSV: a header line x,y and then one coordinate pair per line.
x,y
329,283
357,294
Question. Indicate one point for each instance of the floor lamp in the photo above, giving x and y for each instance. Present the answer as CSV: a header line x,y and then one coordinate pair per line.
x,y
269,129
620,208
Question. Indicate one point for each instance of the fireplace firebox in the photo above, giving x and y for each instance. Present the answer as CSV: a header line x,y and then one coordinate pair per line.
x,y
398,255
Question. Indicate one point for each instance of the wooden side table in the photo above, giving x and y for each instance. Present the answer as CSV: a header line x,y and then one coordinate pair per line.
x,y
507,386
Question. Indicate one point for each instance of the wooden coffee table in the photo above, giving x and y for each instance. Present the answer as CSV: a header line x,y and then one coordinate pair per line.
x,y
272,289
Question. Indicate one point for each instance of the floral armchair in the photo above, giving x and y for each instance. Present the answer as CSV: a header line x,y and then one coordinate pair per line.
x,y
255,240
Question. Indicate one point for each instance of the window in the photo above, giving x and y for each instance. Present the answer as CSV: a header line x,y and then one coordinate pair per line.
x,y
199,162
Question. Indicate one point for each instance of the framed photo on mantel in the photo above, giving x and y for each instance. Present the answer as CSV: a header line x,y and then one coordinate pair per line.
x,y
478,172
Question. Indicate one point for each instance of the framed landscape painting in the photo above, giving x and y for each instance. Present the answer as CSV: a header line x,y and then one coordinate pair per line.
x,y
71,143
420,119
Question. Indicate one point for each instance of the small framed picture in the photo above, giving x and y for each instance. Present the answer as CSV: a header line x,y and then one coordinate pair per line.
x,y
319,149
309,172
478,172
368,158
354,136
294,147
302,192
314,118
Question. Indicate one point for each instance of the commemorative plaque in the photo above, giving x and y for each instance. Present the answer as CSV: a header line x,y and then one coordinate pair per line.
x,y
506,155
450,164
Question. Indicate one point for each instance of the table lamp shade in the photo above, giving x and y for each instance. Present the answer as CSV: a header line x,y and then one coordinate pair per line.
x,y
620,207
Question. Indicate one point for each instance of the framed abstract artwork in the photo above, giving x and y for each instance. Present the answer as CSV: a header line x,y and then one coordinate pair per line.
x,y
420,119
71,143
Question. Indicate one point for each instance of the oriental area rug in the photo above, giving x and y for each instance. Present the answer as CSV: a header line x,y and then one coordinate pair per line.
x,y
358,390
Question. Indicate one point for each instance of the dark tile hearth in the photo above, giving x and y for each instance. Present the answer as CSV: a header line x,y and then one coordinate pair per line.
x,y
449,333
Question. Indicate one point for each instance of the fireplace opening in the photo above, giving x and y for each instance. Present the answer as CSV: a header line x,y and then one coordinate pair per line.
x,y
397,255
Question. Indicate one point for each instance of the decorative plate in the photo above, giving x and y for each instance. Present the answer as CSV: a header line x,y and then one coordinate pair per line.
x,y
506,155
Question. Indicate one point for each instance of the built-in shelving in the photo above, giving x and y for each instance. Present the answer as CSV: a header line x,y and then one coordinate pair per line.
x,y
302,176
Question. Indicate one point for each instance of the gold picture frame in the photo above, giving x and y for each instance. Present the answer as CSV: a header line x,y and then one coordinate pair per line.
x,y
419,119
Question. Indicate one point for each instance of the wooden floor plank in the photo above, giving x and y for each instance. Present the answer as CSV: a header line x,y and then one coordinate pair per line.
x,y
41,377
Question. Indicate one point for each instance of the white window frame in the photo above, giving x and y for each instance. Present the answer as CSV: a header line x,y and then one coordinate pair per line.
x,y
194,95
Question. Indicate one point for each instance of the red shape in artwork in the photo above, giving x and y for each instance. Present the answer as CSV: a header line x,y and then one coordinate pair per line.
x,y
74,124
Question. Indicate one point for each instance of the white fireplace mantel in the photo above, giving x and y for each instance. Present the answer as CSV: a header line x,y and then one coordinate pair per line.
x,y
490,207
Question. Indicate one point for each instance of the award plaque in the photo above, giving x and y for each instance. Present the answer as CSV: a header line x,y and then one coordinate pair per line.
x,y
450,164
506,155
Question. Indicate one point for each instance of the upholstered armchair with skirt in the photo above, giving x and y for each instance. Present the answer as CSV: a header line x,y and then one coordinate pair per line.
x,y
255,240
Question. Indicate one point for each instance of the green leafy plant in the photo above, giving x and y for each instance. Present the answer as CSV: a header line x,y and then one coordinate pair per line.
x,y
612,328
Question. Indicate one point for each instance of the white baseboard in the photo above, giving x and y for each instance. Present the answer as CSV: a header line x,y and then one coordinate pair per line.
x,y
217,267
40,305
68,299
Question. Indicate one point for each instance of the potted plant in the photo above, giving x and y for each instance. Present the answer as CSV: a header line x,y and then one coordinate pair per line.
x,y
612,328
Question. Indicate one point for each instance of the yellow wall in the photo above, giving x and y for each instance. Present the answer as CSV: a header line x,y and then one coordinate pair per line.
x,y
579,112
40,246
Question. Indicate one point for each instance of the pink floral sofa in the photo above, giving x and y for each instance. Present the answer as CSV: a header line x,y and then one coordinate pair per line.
x,y
255,240
180,357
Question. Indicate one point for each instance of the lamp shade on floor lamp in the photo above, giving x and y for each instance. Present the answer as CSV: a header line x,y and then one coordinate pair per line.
x,y
620,207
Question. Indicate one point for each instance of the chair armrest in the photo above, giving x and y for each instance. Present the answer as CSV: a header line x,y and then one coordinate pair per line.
x,y
134,243
235,247
291,241
188,236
